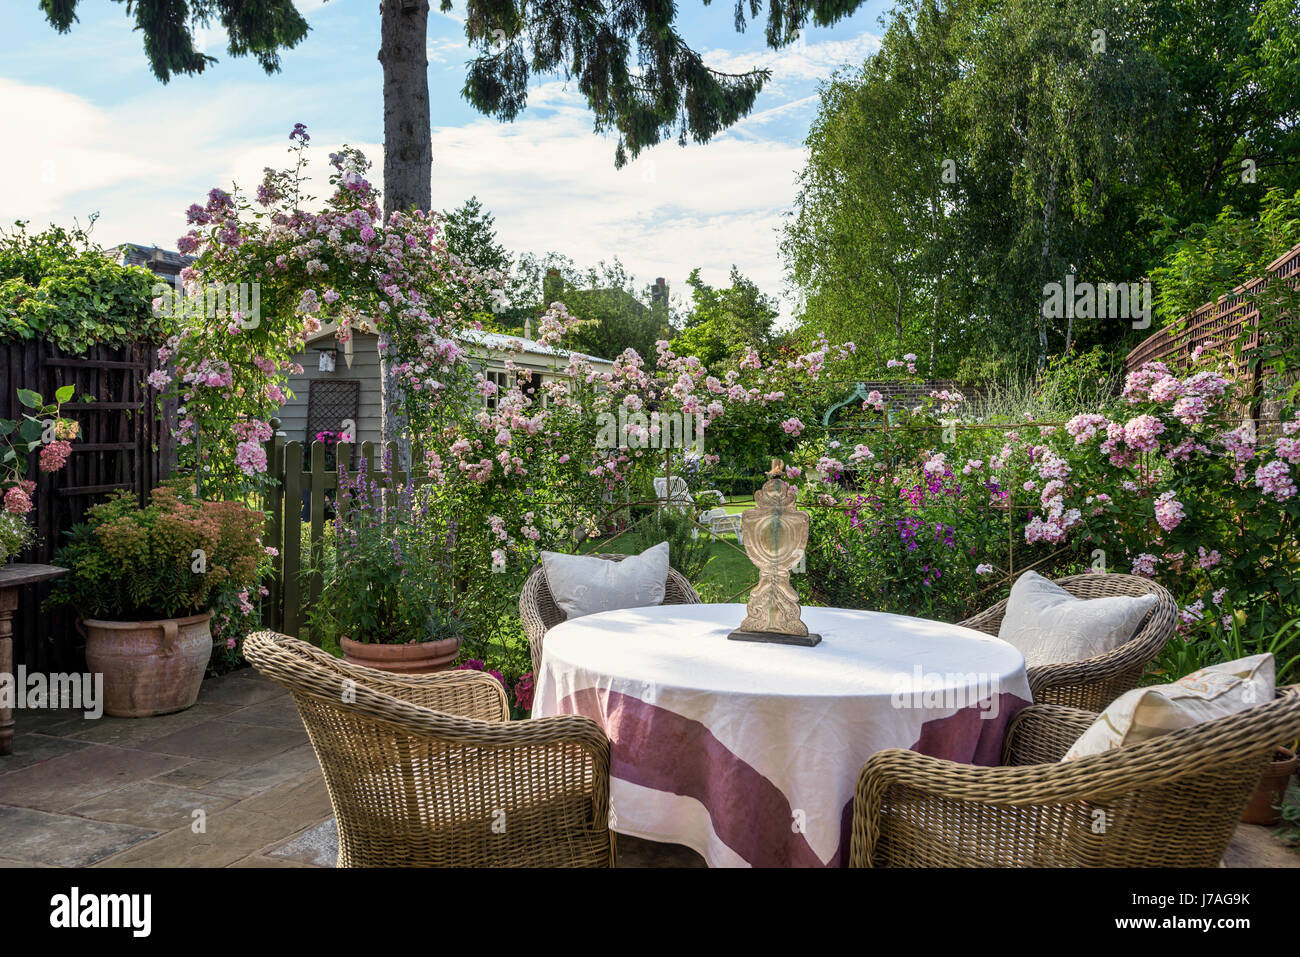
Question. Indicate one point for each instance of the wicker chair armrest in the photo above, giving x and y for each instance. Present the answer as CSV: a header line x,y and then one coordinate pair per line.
x,y
1042,733
530,615
538,733
466,694
1130,658
987,621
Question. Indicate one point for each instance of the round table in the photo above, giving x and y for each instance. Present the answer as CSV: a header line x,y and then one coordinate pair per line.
x,y
749,752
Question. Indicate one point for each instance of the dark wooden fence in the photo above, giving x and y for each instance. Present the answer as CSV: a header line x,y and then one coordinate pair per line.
x,y
124,444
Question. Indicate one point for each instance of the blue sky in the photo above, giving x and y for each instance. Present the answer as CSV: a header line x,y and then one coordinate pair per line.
x,y
90,129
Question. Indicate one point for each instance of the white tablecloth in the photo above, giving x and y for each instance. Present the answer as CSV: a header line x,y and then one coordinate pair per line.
x,y
748,752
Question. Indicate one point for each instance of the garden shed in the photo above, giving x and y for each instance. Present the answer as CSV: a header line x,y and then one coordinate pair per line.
x,y
341,381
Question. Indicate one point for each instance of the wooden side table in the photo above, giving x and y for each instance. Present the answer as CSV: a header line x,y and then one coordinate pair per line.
x,y
12,578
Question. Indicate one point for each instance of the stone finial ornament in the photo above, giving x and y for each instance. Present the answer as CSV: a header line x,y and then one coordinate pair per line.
x,y
776,534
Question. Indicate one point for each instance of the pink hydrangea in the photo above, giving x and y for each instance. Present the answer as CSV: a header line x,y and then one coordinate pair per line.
x,y
1190,409
54,455
1165,389
1289,449
17,501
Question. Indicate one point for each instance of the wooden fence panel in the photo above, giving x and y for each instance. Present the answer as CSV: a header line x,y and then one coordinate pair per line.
x,y
1216,325
124,444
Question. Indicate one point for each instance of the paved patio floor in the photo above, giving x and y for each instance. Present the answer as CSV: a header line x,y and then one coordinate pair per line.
x,y
232,782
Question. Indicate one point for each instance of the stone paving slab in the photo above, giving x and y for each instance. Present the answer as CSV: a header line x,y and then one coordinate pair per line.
x,y
197,773
53,721
36,748
240,689
235,833
221,740
296,764
64,841
152,805
140,732
69,779
279,712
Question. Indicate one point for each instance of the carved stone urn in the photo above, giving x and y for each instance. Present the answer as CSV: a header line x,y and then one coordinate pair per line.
x,y
776,534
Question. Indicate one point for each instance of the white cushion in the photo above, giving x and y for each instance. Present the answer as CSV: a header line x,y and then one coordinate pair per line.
x,y
1050,626
583,585
1145,713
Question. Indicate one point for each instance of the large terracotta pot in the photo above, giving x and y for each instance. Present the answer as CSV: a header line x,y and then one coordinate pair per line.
x,y
1263,806
418,657
149,667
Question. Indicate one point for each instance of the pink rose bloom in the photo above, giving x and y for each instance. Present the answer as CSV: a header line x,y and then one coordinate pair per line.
x,y
250,457
1140,433
1169,511
1145,565
1275,479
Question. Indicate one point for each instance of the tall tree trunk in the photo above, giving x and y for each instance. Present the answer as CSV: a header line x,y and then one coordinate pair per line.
x,y
408,158
1049,213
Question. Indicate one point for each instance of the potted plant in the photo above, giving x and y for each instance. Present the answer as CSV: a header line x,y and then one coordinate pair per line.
x,y
144,580
387,580
1265,805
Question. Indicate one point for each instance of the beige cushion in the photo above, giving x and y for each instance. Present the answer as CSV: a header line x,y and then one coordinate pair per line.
x,y
1050,626
583,585
1145,713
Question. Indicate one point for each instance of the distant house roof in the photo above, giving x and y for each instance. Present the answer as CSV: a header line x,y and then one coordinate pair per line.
x,y
490,340
509,343
162,262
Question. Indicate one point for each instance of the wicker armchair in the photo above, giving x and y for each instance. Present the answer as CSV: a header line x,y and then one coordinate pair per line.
x,y
540,613
428,770
1173,801
1093,683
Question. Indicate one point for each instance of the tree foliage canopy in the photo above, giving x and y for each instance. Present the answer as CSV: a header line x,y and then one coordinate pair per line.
x,y
991,147
257,28
723,323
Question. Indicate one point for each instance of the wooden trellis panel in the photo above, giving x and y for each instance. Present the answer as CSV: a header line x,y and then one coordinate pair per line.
x,y
124,444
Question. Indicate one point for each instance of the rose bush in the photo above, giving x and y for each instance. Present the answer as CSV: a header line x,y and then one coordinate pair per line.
x,y
270,273
1173,484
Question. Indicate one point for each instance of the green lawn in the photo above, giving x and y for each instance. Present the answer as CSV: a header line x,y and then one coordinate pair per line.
x,y
728,576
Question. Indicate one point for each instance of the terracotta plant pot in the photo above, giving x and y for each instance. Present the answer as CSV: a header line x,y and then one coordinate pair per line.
x,y
149,667
416,658
1263,806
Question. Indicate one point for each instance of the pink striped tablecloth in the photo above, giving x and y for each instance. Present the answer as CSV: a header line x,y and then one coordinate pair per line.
x,y
749,753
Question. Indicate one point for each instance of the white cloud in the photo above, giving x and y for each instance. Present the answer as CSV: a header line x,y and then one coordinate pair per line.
x,y
447,50
803,60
